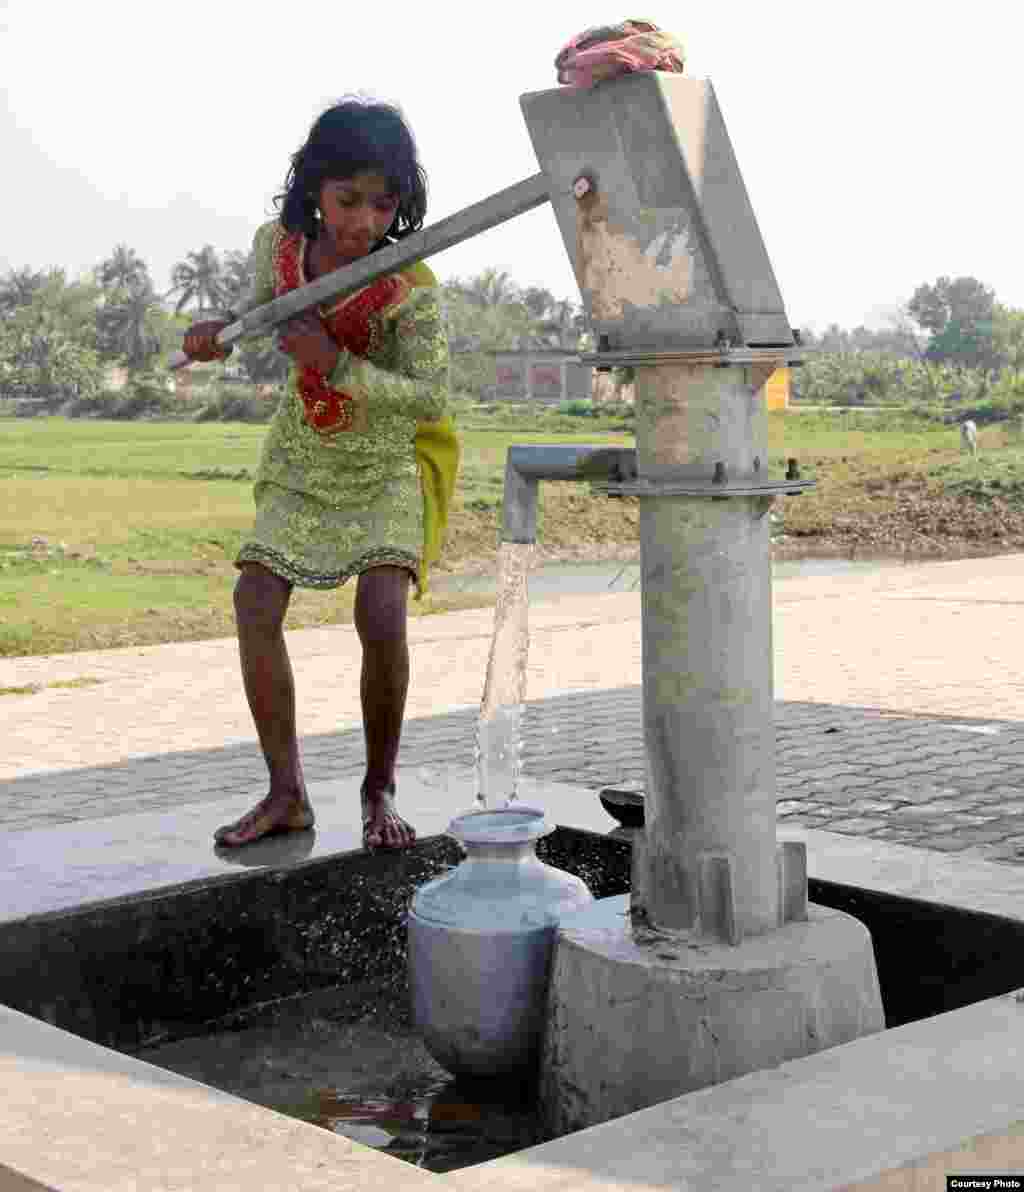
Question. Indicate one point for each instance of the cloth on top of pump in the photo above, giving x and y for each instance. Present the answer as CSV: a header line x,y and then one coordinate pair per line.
x,y
608,51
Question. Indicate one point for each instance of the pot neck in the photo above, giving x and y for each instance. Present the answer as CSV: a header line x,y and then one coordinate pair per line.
x,y
512,853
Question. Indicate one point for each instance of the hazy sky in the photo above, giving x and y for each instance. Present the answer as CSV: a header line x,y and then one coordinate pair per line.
x,y
880,142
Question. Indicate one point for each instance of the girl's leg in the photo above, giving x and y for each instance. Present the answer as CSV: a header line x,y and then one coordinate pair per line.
x,y
380,615
261,601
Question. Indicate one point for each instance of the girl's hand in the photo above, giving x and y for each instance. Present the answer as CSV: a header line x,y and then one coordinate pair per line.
x,y
305,339
200,341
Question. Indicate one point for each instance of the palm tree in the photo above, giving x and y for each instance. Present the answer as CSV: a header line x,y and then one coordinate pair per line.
x,y
565,324
199,277
18,288
556,324
238,271
122,270
124,324
491,288
538,301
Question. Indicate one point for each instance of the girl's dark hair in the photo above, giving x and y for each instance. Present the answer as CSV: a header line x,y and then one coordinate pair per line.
x,y
355,135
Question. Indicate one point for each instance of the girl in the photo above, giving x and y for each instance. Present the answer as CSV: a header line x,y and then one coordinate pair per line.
x,y
359,463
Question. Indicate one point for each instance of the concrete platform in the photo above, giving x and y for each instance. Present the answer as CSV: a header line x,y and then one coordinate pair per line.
x,y
81,1116
75,865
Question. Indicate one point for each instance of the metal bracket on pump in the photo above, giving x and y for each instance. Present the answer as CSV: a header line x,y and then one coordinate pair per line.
x,y
686,486
613,472
625,480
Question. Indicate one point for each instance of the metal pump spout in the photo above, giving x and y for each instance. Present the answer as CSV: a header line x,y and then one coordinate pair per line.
x,y
526,465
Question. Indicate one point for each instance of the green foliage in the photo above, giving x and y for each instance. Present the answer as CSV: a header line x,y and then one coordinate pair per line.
x,y
511,417
235,403
128,313
580,408
129,326
199,278
123,271
959,315
991,475
101,404
851,379
964,300
899,339
18,288
171,329
144,397
475,325
237,273
967,344
144,400
1008,337
1002,399
876,379
48,345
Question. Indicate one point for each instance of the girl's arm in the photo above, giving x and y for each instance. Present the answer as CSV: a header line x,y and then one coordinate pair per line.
x,y
419,382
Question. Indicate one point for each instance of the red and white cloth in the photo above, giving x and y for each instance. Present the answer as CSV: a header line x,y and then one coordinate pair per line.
x,y
611,50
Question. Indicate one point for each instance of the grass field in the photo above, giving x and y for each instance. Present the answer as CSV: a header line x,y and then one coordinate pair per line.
x,y
143,519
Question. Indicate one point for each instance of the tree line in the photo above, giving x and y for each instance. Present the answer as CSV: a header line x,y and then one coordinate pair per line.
x,y
59,337
951,342
952,345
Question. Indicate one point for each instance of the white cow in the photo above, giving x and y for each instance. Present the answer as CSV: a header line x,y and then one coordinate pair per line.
x,y
969,437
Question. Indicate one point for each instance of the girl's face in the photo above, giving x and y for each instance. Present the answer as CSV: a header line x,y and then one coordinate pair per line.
x,y
356,213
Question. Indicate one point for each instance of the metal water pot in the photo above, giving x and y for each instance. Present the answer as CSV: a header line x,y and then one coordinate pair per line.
x,y
480,944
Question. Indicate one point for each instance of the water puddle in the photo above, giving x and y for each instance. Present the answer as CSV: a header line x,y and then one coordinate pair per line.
x,y
367,1077
553,580
442,1129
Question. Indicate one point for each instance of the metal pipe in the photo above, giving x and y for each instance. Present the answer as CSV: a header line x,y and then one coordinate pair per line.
x,y
526,465
709,852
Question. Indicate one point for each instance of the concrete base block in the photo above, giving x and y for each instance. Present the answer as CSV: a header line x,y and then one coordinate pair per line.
x,y
637,1019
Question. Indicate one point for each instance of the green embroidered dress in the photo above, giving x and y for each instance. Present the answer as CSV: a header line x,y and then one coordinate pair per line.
x,y
339,486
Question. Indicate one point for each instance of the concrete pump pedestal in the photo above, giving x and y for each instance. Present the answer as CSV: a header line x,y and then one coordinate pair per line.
x,y
638,1018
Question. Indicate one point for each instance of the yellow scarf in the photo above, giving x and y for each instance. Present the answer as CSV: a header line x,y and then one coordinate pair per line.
x,y
437,456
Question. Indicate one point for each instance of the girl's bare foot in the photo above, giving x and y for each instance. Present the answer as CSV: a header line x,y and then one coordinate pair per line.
x,y
280,811
383,827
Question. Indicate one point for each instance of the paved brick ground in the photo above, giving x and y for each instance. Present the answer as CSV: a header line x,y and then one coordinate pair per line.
x,y
900,713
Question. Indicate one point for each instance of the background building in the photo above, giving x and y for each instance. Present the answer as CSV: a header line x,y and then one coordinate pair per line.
x,y
545,376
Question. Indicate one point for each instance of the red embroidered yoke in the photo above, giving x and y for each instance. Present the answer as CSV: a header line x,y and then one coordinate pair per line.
x,y
353,322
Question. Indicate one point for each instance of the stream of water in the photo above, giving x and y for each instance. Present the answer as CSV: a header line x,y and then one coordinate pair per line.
x,y
498,745
498,752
